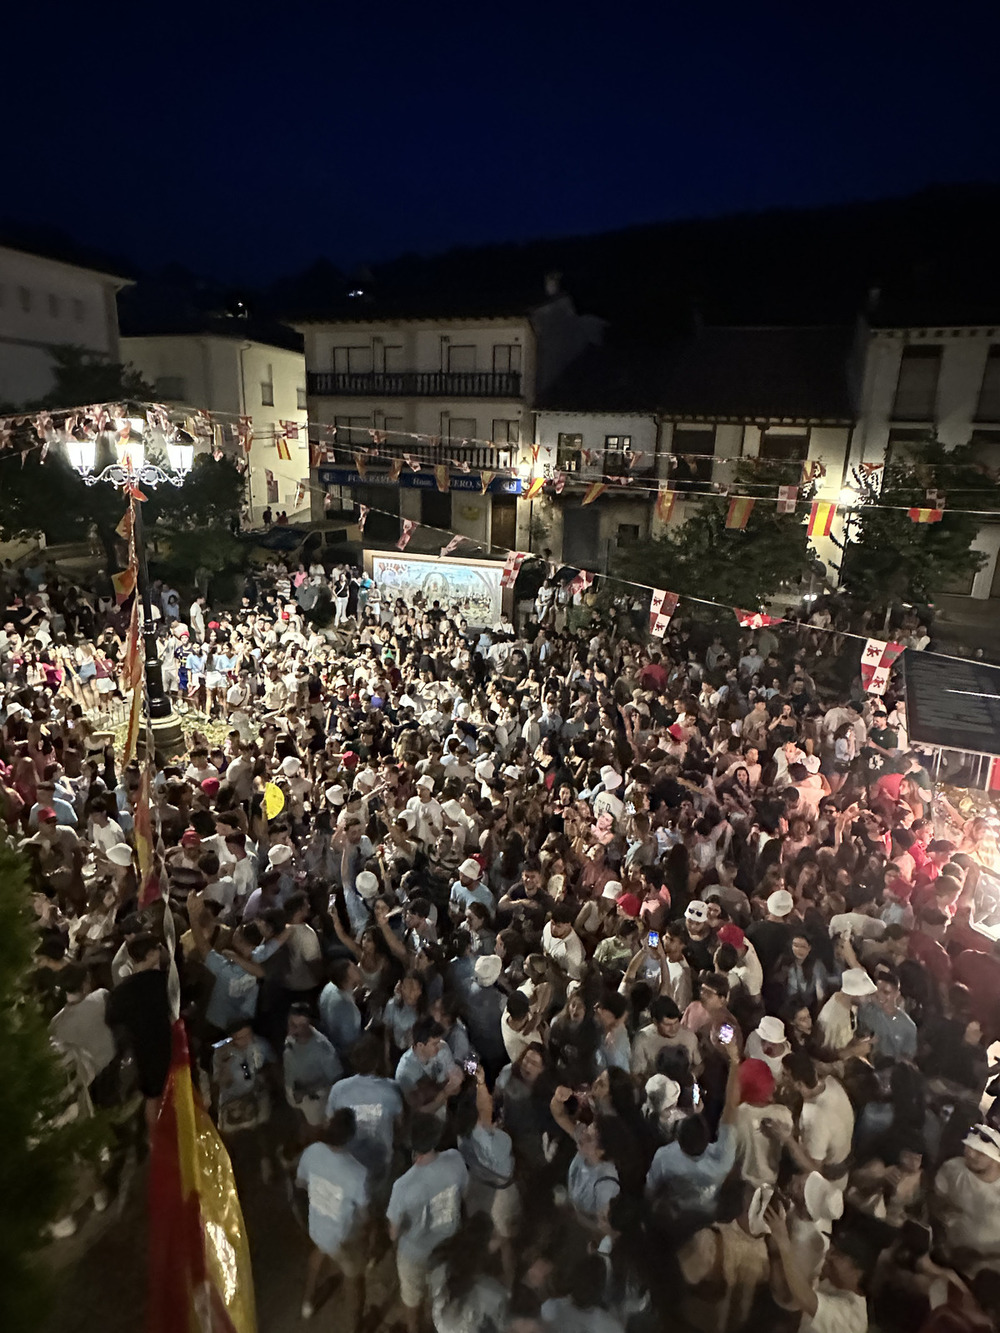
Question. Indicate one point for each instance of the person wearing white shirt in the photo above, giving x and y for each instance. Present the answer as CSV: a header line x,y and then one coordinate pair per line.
x,y
561,943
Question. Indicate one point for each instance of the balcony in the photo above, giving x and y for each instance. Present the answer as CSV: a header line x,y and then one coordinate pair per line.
x,y
416,384
458,456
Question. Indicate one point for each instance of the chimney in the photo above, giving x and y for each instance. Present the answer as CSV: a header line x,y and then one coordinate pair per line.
x,y
553,284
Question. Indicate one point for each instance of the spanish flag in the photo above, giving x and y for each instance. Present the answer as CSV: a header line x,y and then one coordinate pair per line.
x,y
740,509
124,528
665,501
485,480
926,515
199,1261
595,489
132,730
535,488
284,453
821,518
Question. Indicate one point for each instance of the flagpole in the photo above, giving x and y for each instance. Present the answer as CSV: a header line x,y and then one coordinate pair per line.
x,y
157,700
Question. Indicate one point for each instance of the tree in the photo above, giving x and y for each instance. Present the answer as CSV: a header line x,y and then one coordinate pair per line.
x,y
888,558
39,1154
738,566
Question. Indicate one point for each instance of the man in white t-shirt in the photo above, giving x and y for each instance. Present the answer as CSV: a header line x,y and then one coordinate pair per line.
x,y
967,1203
836,1303
826,1125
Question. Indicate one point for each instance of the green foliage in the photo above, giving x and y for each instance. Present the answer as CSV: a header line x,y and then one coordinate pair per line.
x,y
703,558
37,1162
82,378
890,557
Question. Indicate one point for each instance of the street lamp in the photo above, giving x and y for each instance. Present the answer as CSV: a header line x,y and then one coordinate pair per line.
x,y
131,472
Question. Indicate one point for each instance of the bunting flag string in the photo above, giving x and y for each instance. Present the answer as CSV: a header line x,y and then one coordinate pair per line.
x,y
535,488
920,515
580,582
455,542
755,619
593,491
665,501
404,538
284,452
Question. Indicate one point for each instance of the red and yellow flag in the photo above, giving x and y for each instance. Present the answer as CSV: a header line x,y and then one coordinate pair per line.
x,y
665,501
442,477
199,1261
395,468
361,463
821,518
595,489
124,584
284,453
535,488
484,480
926,515
131,673
740,509
132,731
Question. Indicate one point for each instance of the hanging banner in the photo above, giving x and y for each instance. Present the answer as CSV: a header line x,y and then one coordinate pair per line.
x,y
284,452
920,515
877,658
404,538
244,433
452,545
662,606
580,582
291,429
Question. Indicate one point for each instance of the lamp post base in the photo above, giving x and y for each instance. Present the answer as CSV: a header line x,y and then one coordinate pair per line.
x,y
168,737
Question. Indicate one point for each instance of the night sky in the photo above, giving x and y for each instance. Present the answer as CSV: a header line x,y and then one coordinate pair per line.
x,y
245,140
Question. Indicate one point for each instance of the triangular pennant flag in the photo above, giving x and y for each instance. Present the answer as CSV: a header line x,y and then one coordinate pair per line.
x,y
595,489
455,542
820,518
485,478
535,488
441,477
283,448
395,468
412,461
124,528
404,538
361,463
124,584
740,509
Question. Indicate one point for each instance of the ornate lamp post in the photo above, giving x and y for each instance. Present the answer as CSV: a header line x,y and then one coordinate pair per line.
x,y
133,472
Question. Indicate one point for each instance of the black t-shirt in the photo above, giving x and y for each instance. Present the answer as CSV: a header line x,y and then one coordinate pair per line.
x,y
140,1006
770,940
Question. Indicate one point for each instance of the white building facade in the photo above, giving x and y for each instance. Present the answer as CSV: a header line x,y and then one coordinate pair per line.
x,y
466,384
943,380
239,376
44,304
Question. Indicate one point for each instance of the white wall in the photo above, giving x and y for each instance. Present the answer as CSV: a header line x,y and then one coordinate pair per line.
x,y
963,359
594,427
225,375
65,305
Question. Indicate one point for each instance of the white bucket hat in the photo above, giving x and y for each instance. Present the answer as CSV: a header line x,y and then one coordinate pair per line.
x,y
857,983
367,884
771,1030
471,869
780,903
611,778
488,969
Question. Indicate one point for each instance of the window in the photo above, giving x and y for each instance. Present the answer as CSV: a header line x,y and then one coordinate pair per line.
x,y
353,360
301,402
690,445
568,452
394,361
54,306
461,428
916,388
628,534
170,388
507,358
461,360
988,407
792,447
507,432
24,297
78,310
905,446
352,433
621,444
267,388
393,427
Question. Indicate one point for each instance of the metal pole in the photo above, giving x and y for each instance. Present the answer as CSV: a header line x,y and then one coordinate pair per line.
x,y
157,700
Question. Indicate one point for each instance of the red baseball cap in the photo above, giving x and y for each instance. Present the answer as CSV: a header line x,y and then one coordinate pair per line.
x,y
730,934
629,904
190,838
48,814
210,786
756,1082
349,759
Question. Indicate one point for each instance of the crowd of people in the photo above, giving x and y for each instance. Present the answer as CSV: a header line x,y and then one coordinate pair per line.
x,y
614,983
